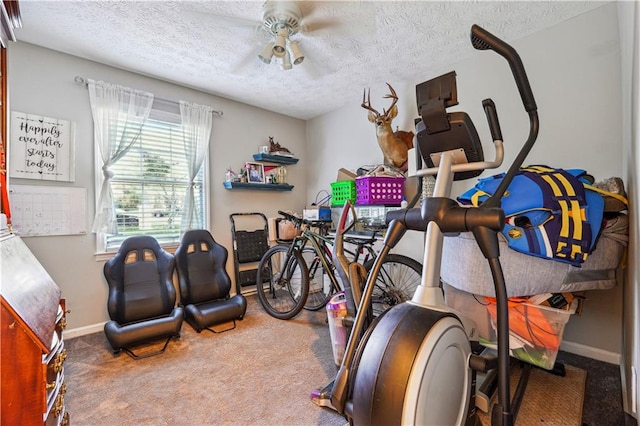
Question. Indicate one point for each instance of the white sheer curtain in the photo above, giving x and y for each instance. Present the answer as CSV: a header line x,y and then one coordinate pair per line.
x,y
118,115
197,121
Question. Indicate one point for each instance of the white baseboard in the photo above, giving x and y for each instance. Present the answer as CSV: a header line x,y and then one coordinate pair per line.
x,y
591,352
81,331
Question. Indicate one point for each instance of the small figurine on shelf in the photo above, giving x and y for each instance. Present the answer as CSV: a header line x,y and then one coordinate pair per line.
x,y
276,148
282,175
231,175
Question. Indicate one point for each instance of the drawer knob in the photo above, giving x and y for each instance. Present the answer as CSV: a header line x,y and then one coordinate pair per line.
x,y
57,410
57,365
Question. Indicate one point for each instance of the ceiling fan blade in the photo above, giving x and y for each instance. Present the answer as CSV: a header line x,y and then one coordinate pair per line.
x,y
249,61
313,70
223,20
313,27
334,17
314,66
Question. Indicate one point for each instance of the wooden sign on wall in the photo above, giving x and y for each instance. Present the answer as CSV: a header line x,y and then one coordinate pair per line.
x,y
41,148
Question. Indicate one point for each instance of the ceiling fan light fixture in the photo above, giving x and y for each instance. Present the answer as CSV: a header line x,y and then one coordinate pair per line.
x,y
266,54
296,52
286,61
280,45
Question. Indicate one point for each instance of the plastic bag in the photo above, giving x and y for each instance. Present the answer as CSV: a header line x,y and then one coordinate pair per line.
x,y
287,230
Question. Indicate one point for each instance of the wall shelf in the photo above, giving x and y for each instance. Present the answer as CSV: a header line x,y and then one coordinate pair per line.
x,y
258,186
279,159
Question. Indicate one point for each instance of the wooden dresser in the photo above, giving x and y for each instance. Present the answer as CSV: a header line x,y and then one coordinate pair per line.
x,y
32,317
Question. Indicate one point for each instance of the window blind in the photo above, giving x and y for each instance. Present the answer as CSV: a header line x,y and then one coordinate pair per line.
x,y
150,182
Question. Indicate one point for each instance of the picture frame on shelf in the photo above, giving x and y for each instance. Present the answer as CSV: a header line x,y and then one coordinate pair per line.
x,y
255,172
270,174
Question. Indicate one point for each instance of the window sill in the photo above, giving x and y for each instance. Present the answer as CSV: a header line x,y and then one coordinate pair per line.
x,y
104,256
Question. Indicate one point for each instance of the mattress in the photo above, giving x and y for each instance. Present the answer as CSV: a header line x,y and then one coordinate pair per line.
x,y
465,268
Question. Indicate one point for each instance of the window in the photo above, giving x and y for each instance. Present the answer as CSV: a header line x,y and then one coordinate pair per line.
x,y
150,181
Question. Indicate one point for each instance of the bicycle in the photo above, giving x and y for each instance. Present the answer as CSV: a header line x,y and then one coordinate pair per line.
x,y
321,287
399,278
295,276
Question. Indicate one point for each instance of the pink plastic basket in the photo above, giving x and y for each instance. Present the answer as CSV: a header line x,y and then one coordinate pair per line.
x,y
379,190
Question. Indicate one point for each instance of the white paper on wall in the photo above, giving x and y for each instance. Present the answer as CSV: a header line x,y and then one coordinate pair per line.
x,y
48,210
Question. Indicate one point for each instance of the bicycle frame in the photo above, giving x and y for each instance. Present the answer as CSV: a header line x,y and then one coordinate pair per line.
x,y
317,290
320,244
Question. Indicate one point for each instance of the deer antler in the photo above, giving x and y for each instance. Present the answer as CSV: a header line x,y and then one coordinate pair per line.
x,y
367,105
393,96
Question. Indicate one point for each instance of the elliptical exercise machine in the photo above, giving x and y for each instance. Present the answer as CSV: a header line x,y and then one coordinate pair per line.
x,y
414,364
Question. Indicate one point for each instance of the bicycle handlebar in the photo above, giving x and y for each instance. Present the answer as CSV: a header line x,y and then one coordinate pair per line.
x,y
289,216
299,221
363,240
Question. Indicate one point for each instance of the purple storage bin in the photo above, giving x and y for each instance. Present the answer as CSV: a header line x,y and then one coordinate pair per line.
x,y
379,190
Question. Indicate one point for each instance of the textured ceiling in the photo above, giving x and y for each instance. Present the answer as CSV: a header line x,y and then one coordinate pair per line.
x,y
364,43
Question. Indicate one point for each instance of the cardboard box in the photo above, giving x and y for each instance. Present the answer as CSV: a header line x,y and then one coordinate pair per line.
x,y
344,174
317,213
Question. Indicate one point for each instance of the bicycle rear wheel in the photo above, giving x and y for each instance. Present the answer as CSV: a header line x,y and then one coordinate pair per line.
x,y
397,281
321,288
283,282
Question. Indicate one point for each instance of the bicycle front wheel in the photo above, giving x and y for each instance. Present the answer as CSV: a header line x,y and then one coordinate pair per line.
x,y
321,288
396,283
283,282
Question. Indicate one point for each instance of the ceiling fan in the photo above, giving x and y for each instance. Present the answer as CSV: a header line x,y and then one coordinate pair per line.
x,y
282,21
283,26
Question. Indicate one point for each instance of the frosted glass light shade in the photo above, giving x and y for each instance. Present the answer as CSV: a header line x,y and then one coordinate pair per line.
x,y
280,45
266,54
296,52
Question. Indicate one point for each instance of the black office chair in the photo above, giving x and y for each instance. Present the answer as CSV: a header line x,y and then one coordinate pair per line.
x,y
142,297
205,284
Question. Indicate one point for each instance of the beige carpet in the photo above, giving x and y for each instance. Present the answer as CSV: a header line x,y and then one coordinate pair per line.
x,y
261,373
549,400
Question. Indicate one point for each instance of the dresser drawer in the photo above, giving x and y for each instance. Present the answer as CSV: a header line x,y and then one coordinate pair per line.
x,y
32,320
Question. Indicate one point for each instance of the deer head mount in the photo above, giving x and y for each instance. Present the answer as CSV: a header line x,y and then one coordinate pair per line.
x,y
394,145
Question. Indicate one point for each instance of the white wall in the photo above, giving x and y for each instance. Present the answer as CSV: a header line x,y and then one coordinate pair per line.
x,y
41,82
629,15
574,71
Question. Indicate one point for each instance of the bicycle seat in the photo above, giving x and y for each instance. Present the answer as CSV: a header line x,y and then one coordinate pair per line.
x,y
359,238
